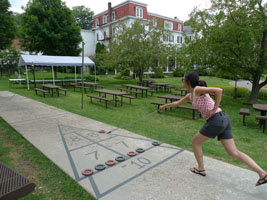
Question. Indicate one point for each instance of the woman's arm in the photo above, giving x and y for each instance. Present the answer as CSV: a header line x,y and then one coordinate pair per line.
x,y
176,103
210,90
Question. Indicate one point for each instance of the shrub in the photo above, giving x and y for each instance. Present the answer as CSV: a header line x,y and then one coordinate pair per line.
x,y
158,73
91,78
229,90
126,78
202,71
125,72
118,75
178,72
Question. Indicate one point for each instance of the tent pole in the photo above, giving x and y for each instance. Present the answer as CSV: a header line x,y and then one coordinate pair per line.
x,y
27,77
43,75
75,74
34,76
53,75
95,74
82,72
63,76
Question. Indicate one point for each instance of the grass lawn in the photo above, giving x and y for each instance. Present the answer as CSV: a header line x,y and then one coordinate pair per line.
x,y
174,127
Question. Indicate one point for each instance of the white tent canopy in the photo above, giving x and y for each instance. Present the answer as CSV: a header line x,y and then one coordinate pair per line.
x,y
54,61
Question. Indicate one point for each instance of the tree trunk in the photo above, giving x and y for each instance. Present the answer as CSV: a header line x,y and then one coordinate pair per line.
x,y
235,90
254,94
141,74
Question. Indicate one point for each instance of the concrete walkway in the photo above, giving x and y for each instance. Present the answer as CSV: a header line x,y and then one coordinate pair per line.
x,y
161,172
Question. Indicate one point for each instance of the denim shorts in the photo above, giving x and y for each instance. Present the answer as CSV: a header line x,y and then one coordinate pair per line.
x,y
217,125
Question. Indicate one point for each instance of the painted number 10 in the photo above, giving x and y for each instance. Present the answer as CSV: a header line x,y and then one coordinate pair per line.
x,y
142,162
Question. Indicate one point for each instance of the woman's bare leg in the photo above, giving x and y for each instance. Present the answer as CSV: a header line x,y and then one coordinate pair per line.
x,y
229,146
197,141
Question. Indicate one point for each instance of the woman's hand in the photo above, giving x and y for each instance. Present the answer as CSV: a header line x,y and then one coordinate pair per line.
x,y
211,112
161,108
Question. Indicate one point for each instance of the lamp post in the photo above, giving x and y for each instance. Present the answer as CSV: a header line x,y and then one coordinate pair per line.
x,y
82,72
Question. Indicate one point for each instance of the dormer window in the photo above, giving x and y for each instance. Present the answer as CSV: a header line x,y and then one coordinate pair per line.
x,y
179,27
97,22
105,19
168,25
113,16
154,22
139,12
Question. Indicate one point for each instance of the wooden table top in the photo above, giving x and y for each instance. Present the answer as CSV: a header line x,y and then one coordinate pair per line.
x,y
260,107
137,87
51,86
170,97
113,92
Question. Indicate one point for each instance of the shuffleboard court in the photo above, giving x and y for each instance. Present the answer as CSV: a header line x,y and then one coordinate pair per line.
x,y
159,171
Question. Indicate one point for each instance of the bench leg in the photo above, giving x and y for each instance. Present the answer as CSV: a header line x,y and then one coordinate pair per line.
x,y
91,99
263,126
244,123
193,114
106,104
44,94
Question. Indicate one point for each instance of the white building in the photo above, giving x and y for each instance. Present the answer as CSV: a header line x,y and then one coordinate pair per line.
x,y
105,23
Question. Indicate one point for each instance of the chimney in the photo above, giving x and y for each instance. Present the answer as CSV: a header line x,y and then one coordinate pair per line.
x,y
109,12
109,18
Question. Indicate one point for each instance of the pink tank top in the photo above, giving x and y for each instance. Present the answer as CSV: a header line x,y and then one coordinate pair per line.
x,y
203,103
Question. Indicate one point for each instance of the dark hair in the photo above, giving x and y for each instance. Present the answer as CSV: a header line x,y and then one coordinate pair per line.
x,y
193,79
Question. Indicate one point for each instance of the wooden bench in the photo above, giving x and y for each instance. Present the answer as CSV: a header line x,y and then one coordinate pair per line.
x,y
169,88
78,86
130,91
263,119
190,108
244,112
129,97
12,184
64,90
40,90
154,87
100,98
158,103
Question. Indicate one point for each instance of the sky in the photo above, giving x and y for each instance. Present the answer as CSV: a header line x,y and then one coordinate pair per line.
x,y
168,8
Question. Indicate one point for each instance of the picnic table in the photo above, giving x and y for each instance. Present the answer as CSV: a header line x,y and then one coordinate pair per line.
x,y
183,91
92,85
161,85
12,184
148,82
114,93
51,87
137,87
16,81
170,97
262,108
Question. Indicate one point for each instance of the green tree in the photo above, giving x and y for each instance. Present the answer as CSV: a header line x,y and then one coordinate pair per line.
x,y
9,59
48,27
83,17
232,37
137,47
7,27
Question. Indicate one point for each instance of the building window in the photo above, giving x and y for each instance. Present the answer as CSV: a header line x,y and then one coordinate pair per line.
x,y
113,30
168,25
113,16
105,19
105,35
97,22
171,38
139,12
190,37
97,37
179,27
154,22
179,39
